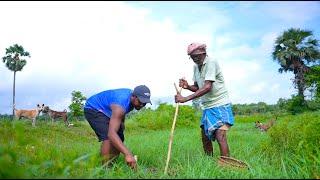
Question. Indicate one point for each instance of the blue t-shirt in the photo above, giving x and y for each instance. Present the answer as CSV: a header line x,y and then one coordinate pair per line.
x,y
102,101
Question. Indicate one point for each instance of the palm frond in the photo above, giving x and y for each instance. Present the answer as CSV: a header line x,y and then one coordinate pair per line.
x,y
13,56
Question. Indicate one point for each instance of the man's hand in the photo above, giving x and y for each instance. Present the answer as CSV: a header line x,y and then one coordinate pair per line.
x,y
179,99
183,83
131,161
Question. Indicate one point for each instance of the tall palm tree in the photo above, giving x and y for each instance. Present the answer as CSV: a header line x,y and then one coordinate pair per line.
x,y
294,50
14,63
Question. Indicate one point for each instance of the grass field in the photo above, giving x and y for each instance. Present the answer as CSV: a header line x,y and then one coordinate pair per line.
x,y
50,150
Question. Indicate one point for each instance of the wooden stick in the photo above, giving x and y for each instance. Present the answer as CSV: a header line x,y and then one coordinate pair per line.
x,y
172,130
175,86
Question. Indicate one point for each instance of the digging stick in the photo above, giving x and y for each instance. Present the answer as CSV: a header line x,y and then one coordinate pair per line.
x,y
172,130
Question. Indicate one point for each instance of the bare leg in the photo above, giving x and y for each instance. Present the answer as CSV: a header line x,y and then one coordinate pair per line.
x,y
108,152
221,137
33,122
65,121
206,143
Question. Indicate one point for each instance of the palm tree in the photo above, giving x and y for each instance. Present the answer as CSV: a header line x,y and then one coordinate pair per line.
x,y
15,63
294,50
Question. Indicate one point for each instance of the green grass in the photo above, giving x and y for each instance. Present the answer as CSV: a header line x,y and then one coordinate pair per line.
x,y
54,151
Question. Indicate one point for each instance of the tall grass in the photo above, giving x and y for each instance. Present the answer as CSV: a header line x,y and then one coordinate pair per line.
x,y
51,150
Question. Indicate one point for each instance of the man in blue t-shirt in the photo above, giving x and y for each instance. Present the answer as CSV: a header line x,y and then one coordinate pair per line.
x,y
106,112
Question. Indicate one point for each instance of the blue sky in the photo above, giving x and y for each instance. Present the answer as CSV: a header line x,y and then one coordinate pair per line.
x,y
94,46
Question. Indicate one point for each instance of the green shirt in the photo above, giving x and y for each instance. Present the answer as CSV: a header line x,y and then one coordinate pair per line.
x,y
211,71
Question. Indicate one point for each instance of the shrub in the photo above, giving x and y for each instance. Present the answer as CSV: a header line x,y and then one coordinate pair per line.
x,y
297,136
162,117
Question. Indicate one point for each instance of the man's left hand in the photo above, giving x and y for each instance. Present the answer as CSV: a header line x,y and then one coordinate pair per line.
x,y
179,99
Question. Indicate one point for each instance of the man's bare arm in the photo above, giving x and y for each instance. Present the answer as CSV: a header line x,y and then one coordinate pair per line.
x,y
114,125
200,92
117,117
184,84
193,87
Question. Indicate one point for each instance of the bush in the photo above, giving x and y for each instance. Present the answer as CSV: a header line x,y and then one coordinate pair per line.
x,y
297,133
296,136
263,117
162,117
313,105
297,105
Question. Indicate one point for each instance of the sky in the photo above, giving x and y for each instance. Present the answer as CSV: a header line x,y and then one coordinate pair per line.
x,y
94,46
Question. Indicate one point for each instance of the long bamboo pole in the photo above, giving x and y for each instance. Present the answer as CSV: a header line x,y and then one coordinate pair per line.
x,y
172,130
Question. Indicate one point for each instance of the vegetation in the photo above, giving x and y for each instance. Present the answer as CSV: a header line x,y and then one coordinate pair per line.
x,y
293,105
77,104
290,149
313,82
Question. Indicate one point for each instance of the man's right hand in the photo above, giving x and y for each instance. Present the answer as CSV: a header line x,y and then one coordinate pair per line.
x,y
183,83
131,161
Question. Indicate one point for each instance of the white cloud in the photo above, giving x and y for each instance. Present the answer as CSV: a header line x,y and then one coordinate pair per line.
x,y
275,88
238,70
93,49
222,41
59,105
267,43
94,46
258,88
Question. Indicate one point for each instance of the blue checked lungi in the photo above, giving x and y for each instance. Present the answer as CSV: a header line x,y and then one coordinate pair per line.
x,y
213,118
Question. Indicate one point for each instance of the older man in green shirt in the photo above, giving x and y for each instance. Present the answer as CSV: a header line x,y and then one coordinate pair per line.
x,y
209,87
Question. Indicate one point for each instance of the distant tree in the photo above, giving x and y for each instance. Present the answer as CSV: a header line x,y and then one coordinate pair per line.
x,y
313,81
262,107
294,50
235,109
282,103
15,63
295,106
76,106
